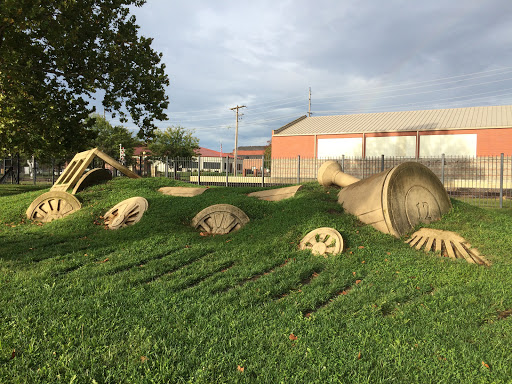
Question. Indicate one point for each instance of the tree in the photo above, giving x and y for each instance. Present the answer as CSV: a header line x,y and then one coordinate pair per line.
x,y
174,142
55,56
268,151
267,155
108,138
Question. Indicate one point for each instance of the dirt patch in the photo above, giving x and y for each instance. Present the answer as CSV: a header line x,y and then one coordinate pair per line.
x,y
504,314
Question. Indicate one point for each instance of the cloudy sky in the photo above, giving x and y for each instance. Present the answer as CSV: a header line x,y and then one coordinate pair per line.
x,y
357,56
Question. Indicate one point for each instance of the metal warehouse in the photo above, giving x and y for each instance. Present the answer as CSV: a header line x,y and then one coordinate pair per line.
x,y
474,131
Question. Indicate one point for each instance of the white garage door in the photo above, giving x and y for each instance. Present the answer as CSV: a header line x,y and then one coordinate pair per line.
x,y
334,148
450,145
404,146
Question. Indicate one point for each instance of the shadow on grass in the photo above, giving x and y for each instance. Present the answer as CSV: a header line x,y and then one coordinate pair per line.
x,y
15,189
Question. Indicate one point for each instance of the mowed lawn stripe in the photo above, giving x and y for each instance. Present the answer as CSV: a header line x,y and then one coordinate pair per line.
x,y
158,302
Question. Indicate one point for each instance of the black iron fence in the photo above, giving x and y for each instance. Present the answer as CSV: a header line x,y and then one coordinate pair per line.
x,y
22,170
30,170
484,181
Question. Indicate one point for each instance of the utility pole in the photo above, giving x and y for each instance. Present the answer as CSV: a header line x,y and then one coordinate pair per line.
x,y
236,134
309,110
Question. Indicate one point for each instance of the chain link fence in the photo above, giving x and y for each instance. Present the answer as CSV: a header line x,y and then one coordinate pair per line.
x,y
483,181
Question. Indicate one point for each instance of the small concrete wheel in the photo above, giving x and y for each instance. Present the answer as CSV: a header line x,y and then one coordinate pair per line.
x,y
220,219
323,241
127,212
52,205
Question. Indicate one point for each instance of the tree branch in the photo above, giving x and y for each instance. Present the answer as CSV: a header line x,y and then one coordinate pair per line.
x,y
48,70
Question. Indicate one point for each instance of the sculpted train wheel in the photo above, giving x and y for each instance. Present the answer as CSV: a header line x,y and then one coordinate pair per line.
x,y
323,241
127,212
220,219
52,205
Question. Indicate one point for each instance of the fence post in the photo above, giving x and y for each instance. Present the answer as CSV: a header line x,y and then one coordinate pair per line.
x,y
17,167
501,180
166,167
198,170
53,171
342,163
227,169
34,177
298,169
175,170
263,171
442,169
12,170
382,163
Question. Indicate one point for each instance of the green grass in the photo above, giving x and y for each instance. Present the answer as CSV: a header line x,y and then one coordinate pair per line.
x,y
489,202
157,302
14,189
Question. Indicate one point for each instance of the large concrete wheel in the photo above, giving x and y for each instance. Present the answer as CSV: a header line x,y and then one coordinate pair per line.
x,y
220,219
323,241
52,205
93,177
127,212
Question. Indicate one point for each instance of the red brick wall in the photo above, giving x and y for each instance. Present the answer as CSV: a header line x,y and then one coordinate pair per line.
x,y
292,146
492,142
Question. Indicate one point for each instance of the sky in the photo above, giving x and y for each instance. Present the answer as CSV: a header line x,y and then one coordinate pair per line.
x,y
356,56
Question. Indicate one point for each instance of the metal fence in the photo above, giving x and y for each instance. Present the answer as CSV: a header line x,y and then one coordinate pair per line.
x,y
23,170
29,170
484,181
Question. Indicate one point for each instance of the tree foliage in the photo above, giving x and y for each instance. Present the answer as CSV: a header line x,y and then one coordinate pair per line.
x,y
108,138
174,142
268,151
57,55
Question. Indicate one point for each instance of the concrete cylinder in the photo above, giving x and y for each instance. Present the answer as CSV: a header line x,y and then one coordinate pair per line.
x,y
393,201
330,173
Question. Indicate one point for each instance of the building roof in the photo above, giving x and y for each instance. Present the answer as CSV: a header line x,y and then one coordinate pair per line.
x,y
207,152
435,119
210,153
252,148
138,151
251,151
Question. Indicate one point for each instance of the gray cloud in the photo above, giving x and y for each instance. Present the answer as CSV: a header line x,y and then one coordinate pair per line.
x,y
356,55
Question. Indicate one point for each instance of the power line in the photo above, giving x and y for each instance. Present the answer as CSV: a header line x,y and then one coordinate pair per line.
x,y
236,134
258,104
266,108
423,92
272,111
309,109
422,103
504,70
250,112
268,120
427,83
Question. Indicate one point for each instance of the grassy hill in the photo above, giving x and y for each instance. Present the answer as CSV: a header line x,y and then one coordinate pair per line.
x,y
158,302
